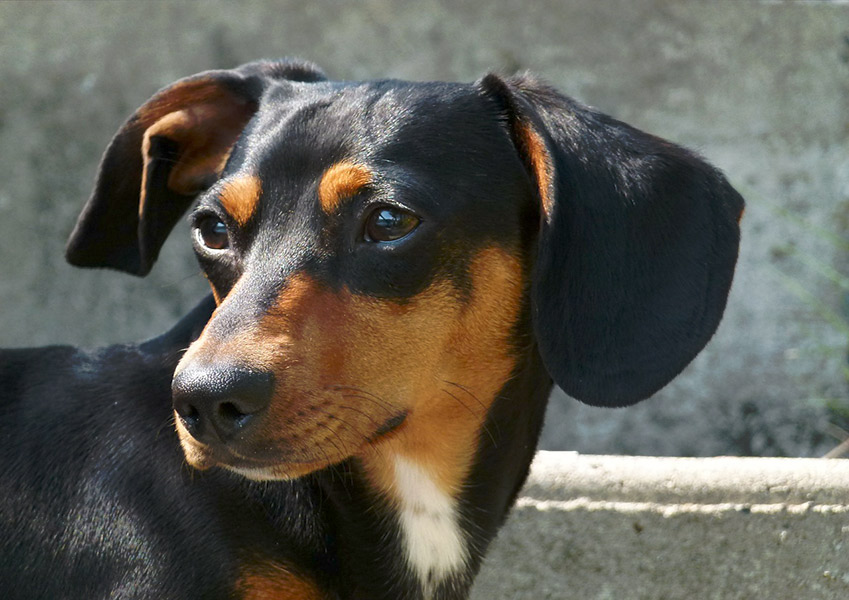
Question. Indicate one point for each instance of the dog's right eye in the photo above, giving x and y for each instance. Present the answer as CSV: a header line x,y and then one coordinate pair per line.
x,y
389,223
211,233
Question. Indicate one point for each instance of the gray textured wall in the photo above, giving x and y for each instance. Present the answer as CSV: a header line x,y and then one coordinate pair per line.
x,y
760,88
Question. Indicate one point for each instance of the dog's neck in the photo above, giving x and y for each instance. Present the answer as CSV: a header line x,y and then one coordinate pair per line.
x,y
422,516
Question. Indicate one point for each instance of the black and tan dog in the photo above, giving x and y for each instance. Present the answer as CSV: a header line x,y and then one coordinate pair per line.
x,y
401,270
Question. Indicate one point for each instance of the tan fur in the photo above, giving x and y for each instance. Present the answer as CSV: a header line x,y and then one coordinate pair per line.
x,y
216,296
204,120
240,197
442,433
341,181
272,581
346,363
537,153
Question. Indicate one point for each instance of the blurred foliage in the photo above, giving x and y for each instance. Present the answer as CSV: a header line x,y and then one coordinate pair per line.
x,y
830,282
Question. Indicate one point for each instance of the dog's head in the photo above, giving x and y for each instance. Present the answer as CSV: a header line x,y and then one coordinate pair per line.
x,y
385,255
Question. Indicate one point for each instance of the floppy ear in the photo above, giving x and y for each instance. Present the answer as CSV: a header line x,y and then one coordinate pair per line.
x,y
172,148
637,245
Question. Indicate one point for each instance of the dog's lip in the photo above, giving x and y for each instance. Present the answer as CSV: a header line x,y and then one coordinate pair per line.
x,y
391,425
227,456
271,470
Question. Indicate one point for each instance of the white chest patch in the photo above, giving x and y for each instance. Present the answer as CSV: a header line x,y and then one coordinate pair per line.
x,y
432,537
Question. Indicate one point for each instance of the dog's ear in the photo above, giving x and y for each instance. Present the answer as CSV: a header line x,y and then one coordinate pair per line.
x,y
637,245
172,148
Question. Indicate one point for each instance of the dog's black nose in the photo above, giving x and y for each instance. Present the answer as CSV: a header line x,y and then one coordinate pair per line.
x,y
217,402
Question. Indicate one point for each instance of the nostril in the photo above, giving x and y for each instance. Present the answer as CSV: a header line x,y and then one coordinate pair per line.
x,y
249,392
228,412
190,417
185,409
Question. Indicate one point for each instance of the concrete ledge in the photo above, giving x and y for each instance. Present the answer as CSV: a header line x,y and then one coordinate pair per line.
x,y
623,528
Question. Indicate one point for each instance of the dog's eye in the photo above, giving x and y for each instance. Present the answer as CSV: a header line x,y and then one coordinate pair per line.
x,y
211,233
388,223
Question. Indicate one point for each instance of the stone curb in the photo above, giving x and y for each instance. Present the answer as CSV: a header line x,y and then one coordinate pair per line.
x,y
616,527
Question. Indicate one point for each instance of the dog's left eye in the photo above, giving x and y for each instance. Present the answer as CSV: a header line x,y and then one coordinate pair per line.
x,y
211,233
388,223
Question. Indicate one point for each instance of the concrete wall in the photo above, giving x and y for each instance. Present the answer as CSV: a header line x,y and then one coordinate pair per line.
x,y
758,87
633,528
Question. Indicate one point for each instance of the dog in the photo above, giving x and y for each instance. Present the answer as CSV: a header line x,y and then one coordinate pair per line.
x,y
401,271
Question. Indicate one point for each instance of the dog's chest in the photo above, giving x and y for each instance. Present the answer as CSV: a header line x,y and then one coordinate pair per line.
x,y
434,544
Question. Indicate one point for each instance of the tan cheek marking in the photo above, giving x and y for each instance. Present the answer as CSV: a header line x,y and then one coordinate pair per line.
x,y
534,147
442,359
272,581
324,345
206,345
254,346
316,339
340,181
441,436
261,344
240,197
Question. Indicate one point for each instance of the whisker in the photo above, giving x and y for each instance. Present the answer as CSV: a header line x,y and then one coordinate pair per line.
x,y
461,403
476,399
330,463
361,391
351,408
343,453
466,406
467,390
389,412
170,423
360,433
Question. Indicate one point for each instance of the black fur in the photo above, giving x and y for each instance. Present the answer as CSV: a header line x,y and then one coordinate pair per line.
x,y
97,501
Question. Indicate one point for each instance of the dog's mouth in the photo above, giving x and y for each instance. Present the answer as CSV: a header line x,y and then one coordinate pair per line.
x,y
279,460
389,426
204,456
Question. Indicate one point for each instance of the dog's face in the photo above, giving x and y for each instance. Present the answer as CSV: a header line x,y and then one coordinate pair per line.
x,y
369,269
387,255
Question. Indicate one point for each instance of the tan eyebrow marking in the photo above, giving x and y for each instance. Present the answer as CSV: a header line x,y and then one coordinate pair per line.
x,y
240,197
340,181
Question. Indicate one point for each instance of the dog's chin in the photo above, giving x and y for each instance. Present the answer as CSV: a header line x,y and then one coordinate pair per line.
x,y
278,472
